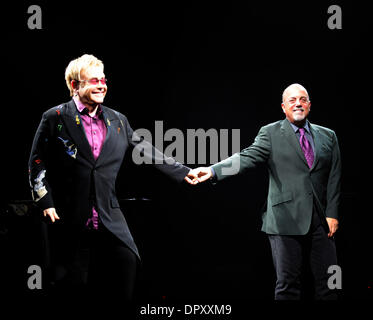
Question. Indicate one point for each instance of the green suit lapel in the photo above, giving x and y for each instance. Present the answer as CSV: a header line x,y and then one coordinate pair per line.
x,y
317,140
290,137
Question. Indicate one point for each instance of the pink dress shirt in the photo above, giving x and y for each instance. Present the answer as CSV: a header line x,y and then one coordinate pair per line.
x,y
95,131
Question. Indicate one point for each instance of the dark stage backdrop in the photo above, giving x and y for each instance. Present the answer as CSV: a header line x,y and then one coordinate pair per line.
x,y
193,65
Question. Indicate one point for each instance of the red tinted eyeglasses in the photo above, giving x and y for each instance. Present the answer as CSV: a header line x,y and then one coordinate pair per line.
x,y
95,81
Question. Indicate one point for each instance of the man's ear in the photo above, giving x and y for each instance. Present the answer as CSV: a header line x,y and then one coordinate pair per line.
x,y
283,107
74,84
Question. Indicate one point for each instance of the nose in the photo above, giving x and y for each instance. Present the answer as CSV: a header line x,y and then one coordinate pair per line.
x,y
100,85
298,103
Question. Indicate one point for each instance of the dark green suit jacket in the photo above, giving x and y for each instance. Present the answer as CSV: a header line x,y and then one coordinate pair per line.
x,y
294,188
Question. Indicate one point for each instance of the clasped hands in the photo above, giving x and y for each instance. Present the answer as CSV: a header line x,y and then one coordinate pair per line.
x,y
198,175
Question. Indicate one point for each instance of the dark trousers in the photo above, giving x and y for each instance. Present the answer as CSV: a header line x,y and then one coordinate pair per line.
x,y
290,253
95,263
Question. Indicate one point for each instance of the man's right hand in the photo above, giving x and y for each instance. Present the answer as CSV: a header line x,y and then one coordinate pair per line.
x,y
51,212
203,173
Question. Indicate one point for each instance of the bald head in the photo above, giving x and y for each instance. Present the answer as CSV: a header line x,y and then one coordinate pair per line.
x,y
296,104
290,88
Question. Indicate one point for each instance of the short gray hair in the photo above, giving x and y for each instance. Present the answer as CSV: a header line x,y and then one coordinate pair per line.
x,y
294,85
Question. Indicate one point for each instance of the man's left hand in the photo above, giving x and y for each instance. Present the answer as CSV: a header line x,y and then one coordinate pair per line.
x,y
333,226
191,177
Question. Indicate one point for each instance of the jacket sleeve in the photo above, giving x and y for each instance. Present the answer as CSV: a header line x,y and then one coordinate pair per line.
x,y
250,157
40,189
334,182
145,153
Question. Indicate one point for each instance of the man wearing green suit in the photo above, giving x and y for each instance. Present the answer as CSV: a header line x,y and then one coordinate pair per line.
x,y
301,216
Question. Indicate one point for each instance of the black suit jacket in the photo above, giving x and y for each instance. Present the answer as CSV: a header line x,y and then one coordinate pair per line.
x,y
64,174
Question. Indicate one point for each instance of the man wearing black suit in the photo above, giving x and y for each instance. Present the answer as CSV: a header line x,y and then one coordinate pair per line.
x,y
75,158
301,215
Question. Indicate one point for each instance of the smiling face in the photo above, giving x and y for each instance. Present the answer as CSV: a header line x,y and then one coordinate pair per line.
x,y
91,94
296,104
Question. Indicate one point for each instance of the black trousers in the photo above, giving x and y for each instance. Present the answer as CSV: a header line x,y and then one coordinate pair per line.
x,y
290,253
95,264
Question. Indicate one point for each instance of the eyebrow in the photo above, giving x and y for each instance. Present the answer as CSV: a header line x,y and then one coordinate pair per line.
x,y
296,97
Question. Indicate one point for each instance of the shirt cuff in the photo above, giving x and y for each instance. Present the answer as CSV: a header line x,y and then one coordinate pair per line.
x,y
212,172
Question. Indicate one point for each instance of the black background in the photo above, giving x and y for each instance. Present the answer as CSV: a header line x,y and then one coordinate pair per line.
x,y
194,65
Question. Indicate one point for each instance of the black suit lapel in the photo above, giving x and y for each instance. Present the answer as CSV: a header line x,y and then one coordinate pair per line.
x,y
289,135
74,127
110,139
